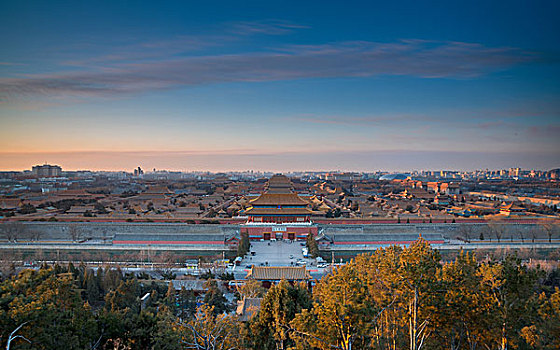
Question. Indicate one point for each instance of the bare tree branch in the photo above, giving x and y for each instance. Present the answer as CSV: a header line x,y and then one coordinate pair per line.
x,y
12,337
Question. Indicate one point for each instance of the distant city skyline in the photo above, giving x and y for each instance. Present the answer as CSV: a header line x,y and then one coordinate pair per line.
x,y
369,162
281,87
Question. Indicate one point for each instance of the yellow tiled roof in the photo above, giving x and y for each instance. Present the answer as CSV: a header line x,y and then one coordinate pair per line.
x,y
278,199
278,211
277,273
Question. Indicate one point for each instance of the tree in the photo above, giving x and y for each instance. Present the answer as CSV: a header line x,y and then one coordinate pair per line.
x,y
170,297
312,245
509,286
12,230
244,244
186,301
124,298
27,208
380,300
339,316
100,208
8,267
142,329
497,229
270,328
210,330
419,265
13,336
545,332
252,289
463,316
111,279
51,311
215,298
488,231
550,228
74,232
337,212
36,233
91,287
521,233
166,336
166,264
466,231
534,234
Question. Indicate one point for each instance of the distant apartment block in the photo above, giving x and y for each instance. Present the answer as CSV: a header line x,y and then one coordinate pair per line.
x,y
138,171
46,170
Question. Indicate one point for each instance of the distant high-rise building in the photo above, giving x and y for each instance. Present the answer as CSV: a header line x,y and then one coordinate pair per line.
x,y
138,171
515,172
46,170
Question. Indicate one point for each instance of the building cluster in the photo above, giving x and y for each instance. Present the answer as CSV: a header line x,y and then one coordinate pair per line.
x,y
48,193
46,170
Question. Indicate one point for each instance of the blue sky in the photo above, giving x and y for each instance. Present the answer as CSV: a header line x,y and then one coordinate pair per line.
x,y
280,85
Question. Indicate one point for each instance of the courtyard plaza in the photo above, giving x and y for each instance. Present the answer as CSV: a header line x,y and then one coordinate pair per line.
x,y
276,253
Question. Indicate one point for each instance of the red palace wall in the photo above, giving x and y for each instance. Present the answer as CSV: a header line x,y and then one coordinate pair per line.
x,y
290,232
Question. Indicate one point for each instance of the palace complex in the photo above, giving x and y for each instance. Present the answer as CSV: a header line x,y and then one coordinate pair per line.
x,y
279,213
279,204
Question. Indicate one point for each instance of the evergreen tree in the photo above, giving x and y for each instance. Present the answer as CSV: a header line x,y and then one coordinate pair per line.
x,y
244,244
187,303
124,298
215,298
170,299
91,287
270,328
544,333
49,304
166,337
313,248
111,279
99,280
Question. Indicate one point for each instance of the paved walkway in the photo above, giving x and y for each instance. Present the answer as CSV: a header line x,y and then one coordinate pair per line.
x,y
277,254
274,253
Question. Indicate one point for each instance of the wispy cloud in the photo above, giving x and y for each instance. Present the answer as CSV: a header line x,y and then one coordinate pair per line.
x,y
267,27
149,50
494,124
10,64
377,120
547,131
425,59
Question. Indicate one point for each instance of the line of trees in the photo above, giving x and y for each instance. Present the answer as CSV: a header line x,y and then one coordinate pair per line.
x,y
396,298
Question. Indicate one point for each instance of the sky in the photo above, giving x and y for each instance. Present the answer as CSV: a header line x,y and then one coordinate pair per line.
x,y
280,85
